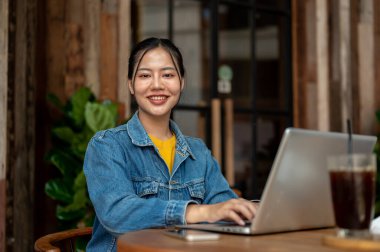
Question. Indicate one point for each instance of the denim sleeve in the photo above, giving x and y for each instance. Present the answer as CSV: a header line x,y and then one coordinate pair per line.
x,y
111,191
217,187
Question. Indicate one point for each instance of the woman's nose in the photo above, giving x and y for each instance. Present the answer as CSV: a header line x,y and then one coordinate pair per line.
x,y
157,83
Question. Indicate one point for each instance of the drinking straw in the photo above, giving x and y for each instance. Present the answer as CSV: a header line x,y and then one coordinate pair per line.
x,y
349,149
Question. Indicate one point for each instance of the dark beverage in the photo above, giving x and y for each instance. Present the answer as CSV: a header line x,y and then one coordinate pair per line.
x,y
353,194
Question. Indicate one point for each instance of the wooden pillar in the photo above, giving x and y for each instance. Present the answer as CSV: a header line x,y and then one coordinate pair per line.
x,y
376,26
322,40
92,44
108,49
216,134
229,140
20,123
345,60
124,31
4,15
366,67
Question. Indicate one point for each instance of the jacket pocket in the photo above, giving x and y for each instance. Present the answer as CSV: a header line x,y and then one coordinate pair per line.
x,y
197,190
145,188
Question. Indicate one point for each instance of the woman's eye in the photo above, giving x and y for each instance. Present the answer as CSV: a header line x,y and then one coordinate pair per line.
x,y
144,75
168,75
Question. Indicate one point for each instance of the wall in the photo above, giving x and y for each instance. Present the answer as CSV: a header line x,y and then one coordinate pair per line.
x,y
336,64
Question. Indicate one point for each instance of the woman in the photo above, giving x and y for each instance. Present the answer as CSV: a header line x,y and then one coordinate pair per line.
x,y
146,173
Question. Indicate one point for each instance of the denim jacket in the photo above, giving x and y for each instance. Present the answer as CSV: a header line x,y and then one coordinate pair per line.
x,y
131,188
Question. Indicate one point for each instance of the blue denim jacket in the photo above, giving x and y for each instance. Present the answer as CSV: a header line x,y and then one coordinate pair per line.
x,y
131,188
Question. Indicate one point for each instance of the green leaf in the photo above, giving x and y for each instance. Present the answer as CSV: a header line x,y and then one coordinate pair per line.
x,y
98,117
58,190
80,182
53,99
112,107
77,209
78,102
64,133
67,165
64,214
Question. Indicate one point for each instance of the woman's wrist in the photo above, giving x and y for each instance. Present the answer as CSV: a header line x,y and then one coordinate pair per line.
x,y
196,213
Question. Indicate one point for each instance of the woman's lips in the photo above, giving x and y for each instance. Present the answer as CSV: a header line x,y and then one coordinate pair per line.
x,y
158,99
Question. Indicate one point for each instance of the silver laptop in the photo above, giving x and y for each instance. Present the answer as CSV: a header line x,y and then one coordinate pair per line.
x,y
297,193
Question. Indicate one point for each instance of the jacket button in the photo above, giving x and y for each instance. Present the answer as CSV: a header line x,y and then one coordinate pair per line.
x,y
173,182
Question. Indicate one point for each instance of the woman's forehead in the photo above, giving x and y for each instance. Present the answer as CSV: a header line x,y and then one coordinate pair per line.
x,y
156,56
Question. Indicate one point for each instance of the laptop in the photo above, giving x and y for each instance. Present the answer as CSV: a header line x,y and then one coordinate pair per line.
x,y
297,193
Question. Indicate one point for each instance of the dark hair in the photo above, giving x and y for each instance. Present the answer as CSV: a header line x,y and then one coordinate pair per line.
x,y
144,46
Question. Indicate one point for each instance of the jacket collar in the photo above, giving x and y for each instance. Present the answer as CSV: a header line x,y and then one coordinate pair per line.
x,y
140,137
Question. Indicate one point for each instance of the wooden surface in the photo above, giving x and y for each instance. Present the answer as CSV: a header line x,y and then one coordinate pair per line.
x,y
47,242
3,115
155,240
229,140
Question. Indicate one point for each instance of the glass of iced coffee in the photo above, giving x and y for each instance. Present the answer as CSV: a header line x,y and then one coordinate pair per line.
x,y
352,180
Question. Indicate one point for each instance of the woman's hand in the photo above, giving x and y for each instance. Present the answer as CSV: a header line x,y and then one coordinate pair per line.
x,y
236,210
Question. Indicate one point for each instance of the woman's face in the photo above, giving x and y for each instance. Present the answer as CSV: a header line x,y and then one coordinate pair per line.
x,y
157,85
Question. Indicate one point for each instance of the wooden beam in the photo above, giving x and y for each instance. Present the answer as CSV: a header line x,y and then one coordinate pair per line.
x,y
91,33
376,26
299,62
216,137
23,121
335,75
74,68
4,15
366,67
229,141
322,48
109,53
345,60
55,47
124,31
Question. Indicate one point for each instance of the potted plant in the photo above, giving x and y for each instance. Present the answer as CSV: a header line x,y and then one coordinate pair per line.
x,y
83,115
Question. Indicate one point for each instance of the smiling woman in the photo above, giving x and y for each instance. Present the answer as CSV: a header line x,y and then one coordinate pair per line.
x,y
146,173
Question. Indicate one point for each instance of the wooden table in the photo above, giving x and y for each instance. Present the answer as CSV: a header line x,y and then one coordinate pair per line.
x,y
154,240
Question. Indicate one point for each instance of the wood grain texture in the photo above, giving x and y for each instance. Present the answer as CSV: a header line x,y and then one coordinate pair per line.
x,y
124,38
91,33
366,68
53,242
322,48
229,141
21,156
216,131
108,48
156,240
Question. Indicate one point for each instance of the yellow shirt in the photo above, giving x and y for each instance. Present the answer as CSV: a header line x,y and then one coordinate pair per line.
x,y
166,149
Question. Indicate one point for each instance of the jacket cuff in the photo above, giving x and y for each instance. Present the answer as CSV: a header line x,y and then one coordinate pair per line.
x,y
176,211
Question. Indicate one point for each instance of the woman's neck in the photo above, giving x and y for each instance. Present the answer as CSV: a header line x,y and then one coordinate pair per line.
x,y
158,127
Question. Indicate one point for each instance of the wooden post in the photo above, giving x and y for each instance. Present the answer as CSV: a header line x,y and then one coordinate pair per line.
x,y
124,32
366,68
376,26
91,33
3,117
216,131
322,57
108,50
22,155
229,140
345,60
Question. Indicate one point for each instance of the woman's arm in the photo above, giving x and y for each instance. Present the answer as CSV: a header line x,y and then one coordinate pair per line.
x,y
116,204
220,202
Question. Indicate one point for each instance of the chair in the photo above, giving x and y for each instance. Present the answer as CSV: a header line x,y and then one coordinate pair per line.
x,y
61,241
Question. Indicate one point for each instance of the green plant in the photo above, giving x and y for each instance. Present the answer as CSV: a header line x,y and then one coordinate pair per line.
x,y
82,117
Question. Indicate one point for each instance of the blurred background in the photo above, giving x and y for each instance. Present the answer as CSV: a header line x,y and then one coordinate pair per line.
x,y
253,68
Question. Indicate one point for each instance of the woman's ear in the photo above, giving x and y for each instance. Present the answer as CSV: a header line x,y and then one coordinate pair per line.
x,y
130,87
